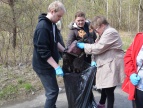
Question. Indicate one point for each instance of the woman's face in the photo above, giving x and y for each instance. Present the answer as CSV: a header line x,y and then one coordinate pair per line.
x,y
80,21
100,29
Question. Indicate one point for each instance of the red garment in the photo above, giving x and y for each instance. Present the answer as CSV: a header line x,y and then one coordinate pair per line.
x,y
130,64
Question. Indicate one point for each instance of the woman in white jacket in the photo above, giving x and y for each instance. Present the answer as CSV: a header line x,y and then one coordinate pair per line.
x,y
108,54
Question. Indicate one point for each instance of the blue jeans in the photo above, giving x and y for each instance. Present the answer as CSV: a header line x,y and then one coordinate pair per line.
x,y
50,84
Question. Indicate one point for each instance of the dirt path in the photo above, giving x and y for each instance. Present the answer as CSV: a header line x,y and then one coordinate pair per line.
x,y
38,102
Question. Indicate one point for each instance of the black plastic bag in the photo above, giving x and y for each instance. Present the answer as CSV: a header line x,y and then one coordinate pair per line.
x,y
78,88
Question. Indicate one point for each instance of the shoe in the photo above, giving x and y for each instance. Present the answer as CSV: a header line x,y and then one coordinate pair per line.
x,y
101,105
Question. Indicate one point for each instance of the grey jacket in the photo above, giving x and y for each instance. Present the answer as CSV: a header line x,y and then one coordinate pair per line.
x,y
108,54
77,33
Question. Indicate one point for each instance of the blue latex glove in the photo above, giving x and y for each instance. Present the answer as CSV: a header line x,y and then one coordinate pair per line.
x,y
59,71
135,79
93,63
80,45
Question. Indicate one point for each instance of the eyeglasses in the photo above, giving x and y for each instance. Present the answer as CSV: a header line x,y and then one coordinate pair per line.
x,y
97,28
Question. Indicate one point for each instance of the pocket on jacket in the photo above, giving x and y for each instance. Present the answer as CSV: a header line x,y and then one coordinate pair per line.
x,y
101,62
105,70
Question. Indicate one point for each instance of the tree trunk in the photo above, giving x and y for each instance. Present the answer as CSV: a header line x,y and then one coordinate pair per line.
x,y
107,8
139,16
14,31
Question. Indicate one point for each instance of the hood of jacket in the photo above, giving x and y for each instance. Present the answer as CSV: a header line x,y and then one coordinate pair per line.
x,y
43,17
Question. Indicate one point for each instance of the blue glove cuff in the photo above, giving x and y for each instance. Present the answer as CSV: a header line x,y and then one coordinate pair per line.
x,y
57,68
80,45
93,63
134,78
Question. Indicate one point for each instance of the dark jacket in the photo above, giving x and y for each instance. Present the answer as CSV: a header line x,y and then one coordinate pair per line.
x,y
61,42
45,46
77,33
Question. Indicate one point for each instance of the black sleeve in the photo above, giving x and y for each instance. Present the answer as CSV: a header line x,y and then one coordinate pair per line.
x,y
42,43
61,38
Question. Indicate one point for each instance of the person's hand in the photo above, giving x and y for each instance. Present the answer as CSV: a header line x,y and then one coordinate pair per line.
x,y
93,63
59,71
80,45
65,50
135,79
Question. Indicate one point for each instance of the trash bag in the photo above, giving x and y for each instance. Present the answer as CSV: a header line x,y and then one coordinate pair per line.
x,y
74,64
78,88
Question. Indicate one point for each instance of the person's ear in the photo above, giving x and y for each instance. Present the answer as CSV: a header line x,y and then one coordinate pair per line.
x,y
52,11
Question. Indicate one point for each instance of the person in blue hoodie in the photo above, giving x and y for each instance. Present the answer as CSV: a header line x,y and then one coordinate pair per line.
x,y
47,45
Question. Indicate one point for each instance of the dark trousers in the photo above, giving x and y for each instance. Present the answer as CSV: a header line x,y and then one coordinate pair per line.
x,y
109,94
49,82
139,98
133,104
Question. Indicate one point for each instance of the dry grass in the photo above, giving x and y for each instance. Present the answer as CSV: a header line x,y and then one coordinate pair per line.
x,y
20,83
127,39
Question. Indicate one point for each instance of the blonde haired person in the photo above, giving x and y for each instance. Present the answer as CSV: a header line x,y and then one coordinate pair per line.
x,y
45,55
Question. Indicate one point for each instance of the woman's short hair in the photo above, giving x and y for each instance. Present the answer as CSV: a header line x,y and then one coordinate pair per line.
x,y
56,6
98,21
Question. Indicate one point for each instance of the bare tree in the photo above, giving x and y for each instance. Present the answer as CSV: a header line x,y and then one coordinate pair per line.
x,y
14,26
139,10
107,4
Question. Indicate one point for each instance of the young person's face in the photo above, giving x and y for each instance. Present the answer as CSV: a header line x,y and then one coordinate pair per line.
x,y
56,16
80,21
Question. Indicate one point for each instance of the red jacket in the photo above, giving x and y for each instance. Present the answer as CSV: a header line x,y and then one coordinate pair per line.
x,y
130,64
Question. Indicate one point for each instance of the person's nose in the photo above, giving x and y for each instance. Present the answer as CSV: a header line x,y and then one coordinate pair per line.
x,y
80,22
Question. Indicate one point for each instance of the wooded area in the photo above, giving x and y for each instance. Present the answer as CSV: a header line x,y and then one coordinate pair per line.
x,y
18,19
